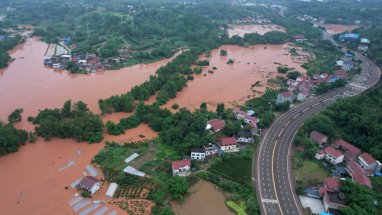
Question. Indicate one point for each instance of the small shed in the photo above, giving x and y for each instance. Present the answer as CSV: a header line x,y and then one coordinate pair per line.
x,y
111,190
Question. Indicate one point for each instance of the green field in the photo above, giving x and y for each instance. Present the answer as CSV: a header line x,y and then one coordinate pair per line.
x,y
238,208
236,169
311,173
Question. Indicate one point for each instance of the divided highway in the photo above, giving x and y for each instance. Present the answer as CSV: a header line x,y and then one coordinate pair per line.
x,y
273,177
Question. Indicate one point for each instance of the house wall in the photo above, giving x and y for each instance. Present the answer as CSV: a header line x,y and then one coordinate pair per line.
x,y
198,156
334,160
182,169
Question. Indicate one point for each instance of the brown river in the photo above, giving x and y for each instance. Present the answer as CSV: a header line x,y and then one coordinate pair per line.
x,y
31,182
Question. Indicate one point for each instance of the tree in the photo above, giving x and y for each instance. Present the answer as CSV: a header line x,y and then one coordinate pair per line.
x,y
220,110
15,116
67,109
178,187
223,52
203,106
293,75
11,138
231,128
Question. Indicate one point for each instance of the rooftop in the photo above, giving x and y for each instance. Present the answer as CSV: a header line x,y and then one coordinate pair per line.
x,y
332,183
239,111
198,150
368,158
225,141
216,124
332,151
317,135
88,182
180,163
336,197
354,151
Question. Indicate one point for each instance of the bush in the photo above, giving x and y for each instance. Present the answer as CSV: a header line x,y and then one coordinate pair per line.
x,y
190,77
175,106
230,61
223,52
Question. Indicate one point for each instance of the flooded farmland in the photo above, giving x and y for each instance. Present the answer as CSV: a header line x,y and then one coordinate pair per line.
x,y
32,176
336,29
205,199
232,83
240,30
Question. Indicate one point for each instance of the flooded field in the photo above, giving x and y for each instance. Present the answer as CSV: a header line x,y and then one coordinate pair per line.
x,y
34,184
336,29
235,83
205,199
240,30
27,84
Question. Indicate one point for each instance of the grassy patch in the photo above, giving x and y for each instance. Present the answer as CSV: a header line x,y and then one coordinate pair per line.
x,y
237,169
311,173
239,209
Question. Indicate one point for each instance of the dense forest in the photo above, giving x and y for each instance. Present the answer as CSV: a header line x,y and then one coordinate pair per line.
x,y
356,120
72,121
5,45
340,11
11,138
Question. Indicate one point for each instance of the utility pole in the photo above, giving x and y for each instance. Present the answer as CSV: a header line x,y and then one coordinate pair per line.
x,y
87,29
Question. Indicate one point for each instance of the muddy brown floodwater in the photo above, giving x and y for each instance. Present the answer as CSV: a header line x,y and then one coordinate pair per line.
x,y
240,30
336,29
231,83
27,84
205,199
31,182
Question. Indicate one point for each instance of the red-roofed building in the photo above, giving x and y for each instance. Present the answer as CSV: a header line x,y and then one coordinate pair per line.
x,y
320,154
181,167
239,114
285,96
332,184
90,184
368,162
302,95
357,173
341,74
251,119
228,144
351,152
215,125
333,156
302,78
318,137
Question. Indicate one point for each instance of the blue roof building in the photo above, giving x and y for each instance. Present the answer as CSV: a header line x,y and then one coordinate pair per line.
x,y
348,55
2,37
324,213
349,36
365,41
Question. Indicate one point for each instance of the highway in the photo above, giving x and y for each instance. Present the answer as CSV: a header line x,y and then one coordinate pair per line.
x,y
272,174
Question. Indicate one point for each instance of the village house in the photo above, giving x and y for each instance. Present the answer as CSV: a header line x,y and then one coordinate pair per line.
x,y
292,88
244,137
198,154
302,95
210,149
347,66
181,167
340,62
334,200
368,162
305,86
89,184
330,154
239,114
364,41
350,151
302,78
358,174
291,82
348,37
228,144
332,184
299,38
362,47
347,57
318,137
215,125
284,97
341,74
251,119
